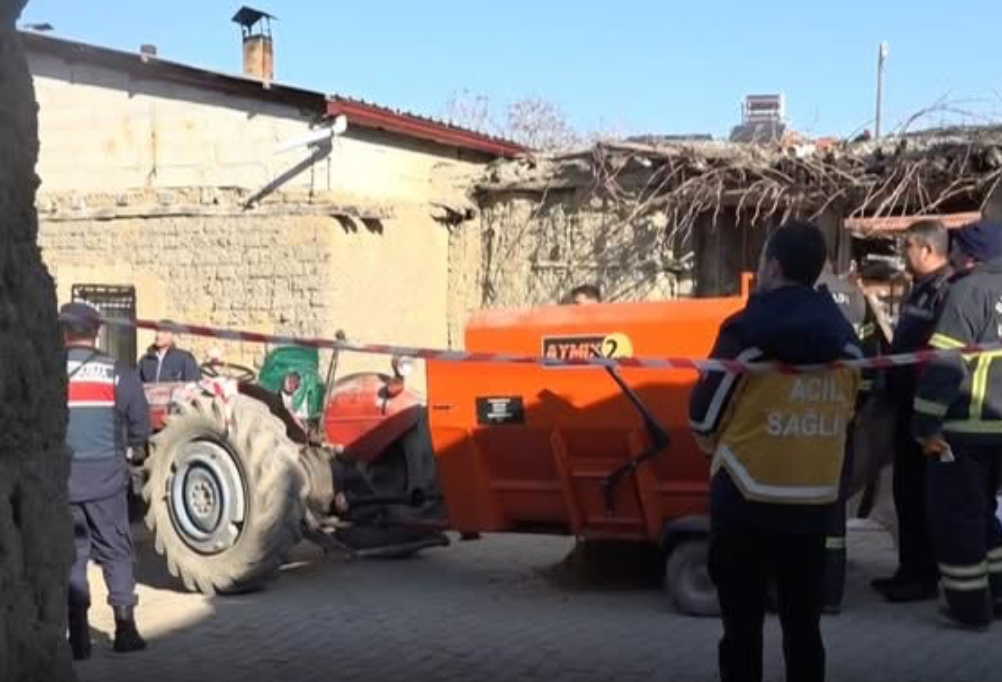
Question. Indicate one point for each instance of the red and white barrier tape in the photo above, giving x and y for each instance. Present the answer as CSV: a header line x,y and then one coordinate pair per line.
x,y
732,366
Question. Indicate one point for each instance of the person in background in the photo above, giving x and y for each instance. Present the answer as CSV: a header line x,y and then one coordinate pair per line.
x,y
291,384
777,442
926,247
108,413
851,300
958,421
585,294
165,362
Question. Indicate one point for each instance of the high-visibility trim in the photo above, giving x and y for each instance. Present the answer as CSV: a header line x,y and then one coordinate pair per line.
x,y
866,330
975,426
930,408
967,571
723,390
944,342
835,542
866,385
979,382
995,567
995,554
970,585
789,494
979,385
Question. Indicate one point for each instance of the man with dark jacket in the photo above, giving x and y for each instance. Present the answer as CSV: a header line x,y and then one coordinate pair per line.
x,y
958,420
108,413
165,362
778,444
851,300
926,254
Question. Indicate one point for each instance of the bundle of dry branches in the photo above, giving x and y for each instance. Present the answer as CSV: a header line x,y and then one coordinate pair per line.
x,y
907,174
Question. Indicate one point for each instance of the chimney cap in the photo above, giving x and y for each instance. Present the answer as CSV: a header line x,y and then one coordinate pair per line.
x,y
248,16
147,49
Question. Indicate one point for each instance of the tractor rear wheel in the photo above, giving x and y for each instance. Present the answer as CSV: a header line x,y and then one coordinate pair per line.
x,y
225,503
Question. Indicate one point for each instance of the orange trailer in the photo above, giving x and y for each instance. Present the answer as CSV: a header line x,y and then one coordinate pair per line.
x,y
582,450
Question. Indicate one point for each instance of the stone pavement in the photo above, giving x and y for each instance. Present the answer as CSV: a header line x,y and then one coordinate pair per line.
x,y
488,611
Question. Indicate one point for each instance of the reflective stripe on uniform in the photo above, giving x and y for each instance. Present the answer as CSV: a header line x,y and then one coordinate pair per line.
x,y
835,542
944,342
786,493
866,330
966,571
995,560
969,585
979,382
930,408
866,385
973,426
709,420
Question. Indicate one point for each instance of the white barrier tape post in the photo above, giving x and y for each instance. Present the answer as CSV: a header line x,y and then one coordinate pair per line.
x,y
440,355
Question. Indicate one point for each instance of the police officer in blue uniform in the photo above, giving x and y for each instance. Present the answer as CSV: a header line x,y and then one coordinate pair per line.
x,y
778,444
958,420
926,255
108,413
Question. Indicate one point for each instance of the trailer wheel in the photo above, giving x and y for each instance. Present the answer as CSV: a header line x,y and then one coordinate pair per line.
x,y
225,504
687,579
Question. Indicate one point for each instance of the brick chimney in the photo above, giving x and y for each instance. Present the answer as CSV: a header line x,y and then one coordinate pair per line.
x,y
258,48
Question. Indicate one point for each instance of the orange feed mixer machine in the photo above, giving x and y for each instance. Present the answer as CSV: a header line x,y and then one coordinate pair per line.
x,y
601,454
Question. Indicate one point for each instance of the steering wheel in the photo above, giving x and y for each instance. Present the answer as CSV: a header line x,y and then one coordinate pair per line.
x,y
228,370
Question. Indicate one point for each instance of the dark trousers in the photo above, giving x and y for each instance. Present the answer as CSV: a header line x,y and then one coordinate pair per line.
x,y
835,542
101,533
916,556
966,532
742,563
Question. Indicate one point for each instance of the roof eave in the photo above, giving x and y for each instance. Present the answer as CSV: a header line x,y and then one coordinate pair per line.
x,y
378,118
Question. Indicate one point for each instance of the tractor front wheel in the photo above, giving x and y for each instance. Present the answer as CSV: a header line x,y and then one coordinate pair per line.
x,y
225,501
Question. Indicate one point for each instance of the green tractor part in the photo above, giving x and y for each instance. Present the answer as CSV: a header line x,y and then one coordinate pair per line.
x,y
285,360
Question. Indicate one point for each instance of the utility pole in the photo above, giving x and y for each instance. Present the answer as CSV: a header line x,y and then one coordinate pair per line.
x,y
881,57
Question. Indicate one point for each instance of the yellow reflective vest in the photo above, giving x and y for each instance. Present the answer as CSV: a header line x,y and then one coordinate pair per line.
x,y
782,440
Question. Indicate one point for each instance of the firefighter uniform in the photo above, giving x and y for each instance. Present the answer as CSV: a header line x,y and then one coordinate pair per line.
x,y
960,399
850,300
108,412
919,312
778,445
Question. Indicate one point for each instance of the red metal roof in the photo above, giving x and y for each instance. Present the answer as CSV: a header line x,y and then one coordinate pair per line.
x,y
868,226
381,118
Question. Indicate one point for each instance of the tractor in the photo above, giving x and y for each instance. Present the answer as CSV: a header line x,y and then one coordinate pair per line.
x,y
233,478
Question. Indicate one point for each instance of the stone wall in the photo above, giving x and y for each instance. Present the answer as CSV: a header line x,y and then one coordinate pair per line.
x,y
35,534
536,249
528,250
163,193
296,274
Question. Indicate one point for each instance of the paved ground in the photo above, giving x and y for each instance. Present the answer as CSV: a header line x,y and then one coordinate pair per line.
x,y
489,610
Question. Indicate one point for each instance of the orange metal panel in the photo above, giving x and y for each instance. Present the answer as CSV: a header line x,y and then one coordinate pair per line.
x,y
538,460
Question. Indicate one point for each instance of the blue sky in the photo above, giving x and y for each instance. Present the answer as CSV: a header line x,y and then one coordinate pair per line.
x,y
637,66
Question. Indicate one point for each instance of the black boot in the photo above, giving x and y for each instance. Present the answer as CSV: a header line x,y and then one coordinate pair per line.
x,y
79,633
127,637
